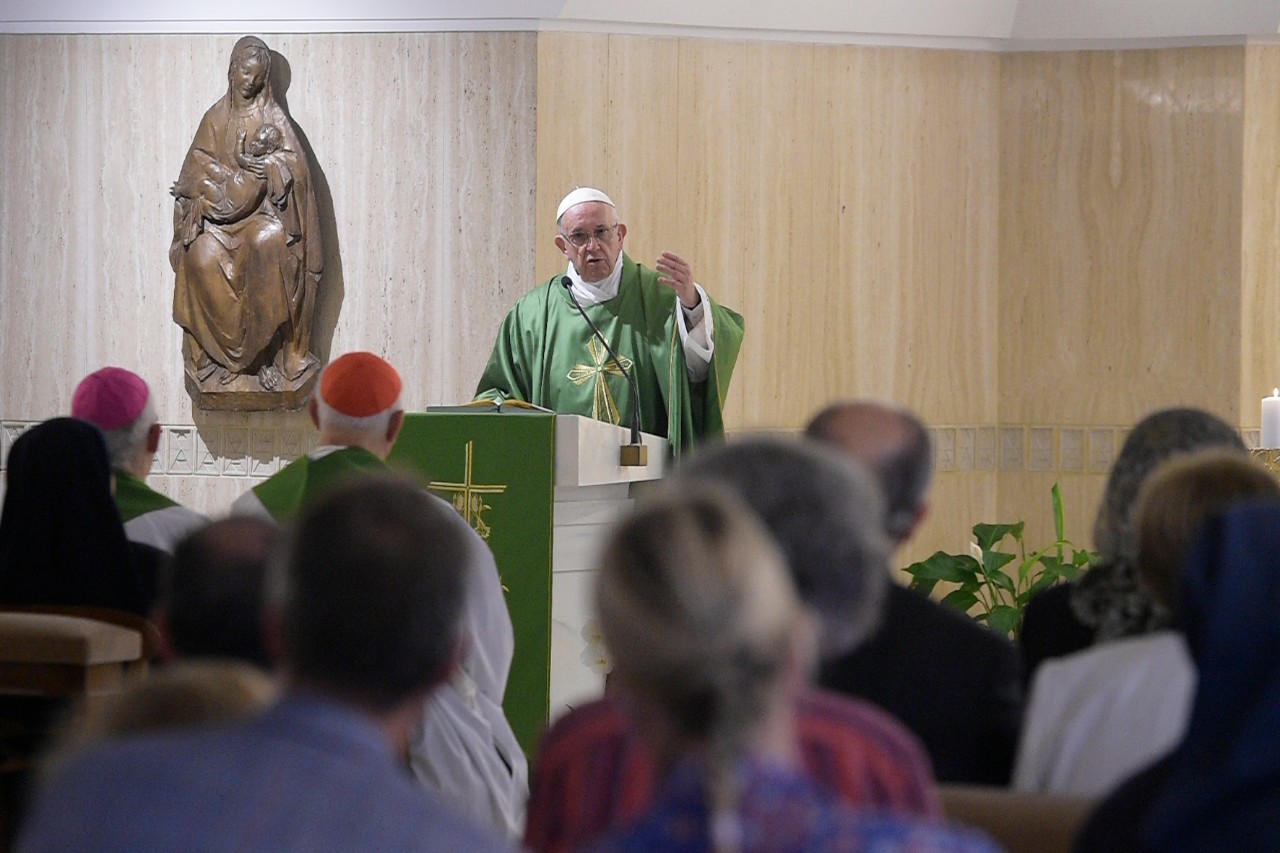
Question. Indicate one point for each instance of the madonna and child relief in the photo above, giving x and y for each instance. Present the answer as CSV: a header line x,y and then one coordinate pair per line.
x,y
246,248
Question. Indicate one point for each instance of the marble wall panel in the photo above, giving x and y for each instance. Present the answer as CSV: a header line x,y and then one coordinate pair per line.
x,y
424,159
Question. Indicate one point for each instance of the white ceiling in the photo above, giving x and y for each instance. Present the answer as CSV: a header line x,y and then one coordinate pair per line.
x,y
997,24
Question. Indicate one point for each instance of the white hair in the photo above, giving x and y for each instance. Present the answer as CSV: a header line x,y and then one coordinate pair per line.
x,y
373,425
125,442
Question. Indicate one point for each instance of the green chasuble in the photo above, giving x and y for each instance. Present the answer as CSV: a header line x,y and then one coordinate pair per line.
x,y
135,498
296,486
546,354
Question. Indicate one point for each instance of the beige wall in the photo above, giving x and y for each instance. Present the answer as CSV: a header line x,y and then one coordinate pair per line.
x,y
1031,250
1120,257
843,199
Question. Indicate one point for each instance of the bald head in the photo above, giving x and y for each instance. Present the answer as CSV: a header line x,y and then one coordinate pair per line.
x,y
893,444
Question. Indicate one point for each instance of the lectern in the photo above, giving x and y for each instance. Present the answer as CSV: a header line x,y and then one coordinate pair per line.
x,y
542,490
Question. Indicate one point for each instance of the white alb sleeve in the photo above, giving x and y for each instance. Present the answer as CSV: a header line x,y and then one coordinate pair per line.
x,y
697,334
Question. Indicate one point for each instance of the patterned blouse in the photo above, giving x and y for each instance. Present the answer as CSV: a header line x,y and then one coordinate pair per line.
x,y
779,811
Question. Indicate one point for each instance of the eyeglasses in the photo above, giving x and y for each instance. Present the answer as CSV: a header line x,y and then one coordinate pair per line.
x,y
603,234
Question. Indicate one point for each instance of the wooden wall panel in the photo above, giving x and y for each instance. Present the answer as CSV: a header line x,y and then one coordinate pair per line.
x,y
843,199
1120,228
1120,264
908,307
572,146
1260,227
718,92
782,261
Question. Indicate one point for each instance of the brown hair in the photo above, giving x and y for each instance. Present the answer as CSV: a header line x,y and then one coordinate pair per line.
x,y
1176,498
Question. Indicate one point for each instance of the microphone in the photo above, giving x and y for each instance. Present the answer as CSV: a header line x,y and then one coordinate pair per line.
x,y
634,454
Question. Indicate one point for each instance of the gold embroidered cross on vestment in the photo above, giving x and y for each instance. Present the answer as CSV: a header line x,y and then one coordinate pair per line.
x,y
603,406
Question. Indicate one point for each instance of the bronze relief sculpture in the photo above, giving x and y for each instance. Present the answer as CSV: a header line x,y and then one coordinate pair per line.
x,y
246,248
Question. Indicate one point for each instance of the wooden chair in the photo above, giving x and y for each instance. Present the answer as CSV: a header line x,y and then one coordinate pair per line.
x,y
147,629
51,662
1019,822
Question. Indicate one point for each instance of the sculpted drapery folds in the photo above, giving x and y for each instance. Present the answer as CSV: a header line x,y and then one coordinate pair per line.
x,y
246,246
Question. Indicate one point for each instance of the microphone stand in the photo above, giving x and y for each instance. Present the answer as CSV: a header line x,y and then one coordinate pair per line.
x,y
634,454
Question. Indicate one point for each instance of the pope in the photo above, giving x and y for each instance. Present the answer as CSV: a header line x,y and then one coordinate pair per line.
x,y
679,345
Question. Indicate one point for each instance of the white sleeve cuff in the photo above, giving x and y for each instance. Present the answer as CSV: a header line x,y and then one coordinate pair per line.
x,y
697,335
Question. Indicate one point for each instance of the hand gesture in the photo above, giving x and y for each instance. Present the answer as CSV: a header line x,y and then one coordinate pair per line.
x,y
677,273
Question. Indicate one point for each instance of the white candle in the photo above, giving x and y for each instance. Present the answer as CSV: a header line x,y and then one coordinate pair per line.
x,y
1271,420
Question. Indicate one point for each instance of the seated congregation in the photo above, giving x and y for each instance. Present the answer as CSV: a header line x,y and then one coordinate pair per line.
x,y
324,669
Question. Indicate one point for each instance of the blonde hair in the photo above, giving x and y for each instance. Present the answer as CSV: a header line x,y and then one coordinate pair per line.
x,y
1176,498
698,612
187,694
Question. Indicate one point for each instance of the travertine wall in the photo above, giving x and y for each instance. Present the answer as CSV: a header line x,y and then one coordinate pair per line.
x,y
424,144
1031,250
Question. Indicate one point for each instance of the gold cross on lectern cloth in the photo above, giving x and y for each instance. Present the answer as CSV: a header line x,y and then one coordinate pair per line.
x,y
603,406
466,496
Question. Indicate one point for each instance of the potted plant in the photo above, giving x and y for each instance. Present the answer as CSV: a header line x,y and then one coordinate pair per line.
x,y
988,588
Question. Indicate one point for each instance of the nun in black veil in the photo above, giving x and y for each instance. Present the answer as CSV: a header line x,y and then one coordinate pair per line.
x,y
61,538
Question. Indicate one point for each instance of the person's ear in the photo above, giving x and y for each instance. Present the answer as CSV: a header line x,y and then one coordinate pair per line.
x,y
622,232
394,426
153,438
563,245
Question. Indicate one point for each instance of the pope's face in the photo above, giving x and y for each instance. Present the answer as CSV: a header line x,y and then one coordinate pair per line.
x,y
248,75
594,224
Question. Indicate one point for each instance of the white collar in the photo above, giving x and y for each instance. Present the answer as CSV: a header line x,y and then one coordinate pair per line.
x,y
601,291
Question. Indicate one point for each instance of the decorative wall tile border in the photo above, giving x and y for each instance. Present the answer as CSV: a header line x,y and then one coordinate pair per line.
x,y
944,447
1070,449
257,452
1040,454
966,448
1102,449
1012,448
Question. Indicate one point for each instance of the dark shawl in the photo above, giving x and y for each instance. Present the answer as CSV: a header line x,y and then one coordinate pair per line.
x,y
1223,790
61,538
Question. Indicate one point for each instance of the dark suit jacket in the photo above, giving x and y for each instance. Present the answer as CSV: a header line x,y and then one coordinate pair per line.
x,y
954,683
1050,629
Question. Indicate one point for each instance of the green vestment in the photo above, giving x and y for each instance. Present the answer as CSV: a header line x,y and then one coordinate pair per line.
x,y
546,354
134,497
285,494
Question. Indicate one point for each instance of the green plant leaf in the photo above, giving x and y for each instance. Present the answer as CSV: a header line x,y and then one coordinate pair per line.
x,y
1058,525
1072,570
925,586
1051,564
961,599
956,568
1003,581
1004,618
989,535
1042,582
993,562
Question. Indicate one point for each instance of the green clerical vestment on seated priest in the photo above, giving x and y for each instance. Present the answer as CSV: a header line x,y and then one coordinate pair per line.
x,y
546,354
